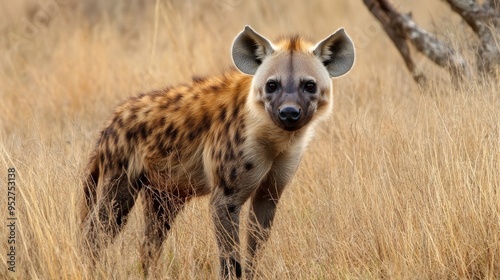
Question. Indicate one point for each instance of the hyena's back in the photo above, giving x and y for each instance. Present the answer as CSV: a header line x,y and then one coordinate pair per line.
x,y
159,138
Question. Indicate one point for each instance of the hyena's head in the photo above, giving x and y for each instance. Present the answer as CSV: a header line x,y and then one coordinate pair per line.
x,y
292,77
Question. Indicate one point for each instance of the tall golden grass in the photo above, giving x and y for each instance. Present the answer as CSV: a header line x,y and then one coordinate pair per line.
x,y
401,182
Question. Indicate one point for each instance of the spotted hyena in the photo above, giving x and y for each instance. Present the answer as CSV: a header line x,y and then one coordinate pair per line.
x,y
236,136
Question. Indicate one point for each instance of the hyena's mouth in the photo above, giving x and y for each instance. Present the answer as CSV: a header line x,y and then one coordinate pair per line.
x,y
291,126
290,121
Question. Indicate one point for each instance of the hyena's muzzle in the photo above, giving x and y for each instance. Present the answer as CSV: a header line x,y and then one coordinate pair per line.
x,y
293,105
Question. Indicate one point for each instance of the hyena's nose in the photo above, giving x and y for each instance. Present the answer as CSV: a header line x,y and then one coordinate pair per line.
x,y
289,114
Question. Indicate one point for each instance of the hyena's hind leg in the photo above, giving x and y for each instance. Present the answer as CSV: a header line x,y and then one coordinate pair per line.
x,y
90,181
114,199
160,210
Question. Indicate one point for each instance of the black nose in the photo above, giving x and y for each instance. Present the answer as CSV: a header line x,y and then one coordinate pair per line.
x,y
289,114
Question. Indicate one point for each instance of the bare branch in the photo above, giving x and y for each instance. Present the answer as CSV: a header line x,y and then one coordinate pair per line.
x,y
401,28
382,13
485,22
432,47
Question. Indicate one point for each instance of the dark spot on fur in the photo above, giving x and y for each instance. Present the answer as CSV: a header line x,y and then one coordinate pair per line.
x,y
231,208
222,115
237,137
157,93
233,175
120,151
174,133
164,106
171,131
192,135
235,112
108,154
177,98
134,109
122,163
248,165
205,122
109,161
115,139
111,164
198,131
164,151
198,79
189,122
162,121
132,117
130,135
109,133
118,121
227,189
143,130
227,127
161,142
214,87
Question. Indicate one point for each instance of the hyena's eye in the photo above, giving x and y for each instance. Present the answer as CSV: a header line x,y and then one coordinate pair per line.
x,y
310,87
271,86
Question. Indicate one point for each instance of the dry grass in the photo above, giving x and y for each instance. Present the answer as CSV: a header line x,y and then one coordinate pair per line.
x,y
400,183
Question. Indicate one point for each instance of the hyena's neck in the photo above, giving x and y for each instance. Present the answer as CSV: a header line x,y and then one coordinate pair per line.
x,y
244,117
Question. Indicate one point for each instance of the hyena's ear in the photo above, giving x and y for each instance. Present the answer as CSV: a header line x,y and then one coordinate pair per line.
x,y
249,50
336,52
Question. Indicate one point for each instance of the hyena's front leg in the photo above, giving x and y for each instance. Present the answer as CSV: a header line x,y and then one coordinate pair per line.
x,y
261,216
226,214
232,180
232,185
263,206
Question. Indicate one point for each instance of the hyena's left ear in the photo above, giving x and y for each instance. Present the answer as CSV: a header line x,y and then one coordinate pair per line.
x,y
249,50
336,52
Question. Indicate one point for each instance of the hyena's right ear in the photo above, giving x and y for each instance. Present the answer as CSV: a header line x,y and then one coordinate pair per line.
x,y
249,50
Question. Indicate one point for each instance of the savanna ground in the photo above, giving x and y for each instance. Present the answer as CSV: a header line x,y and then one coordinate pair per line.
x,y
401,183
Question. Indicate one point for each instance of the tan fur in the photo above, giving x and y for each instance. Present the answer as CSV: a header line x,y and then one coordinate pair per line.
x,y
215,135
